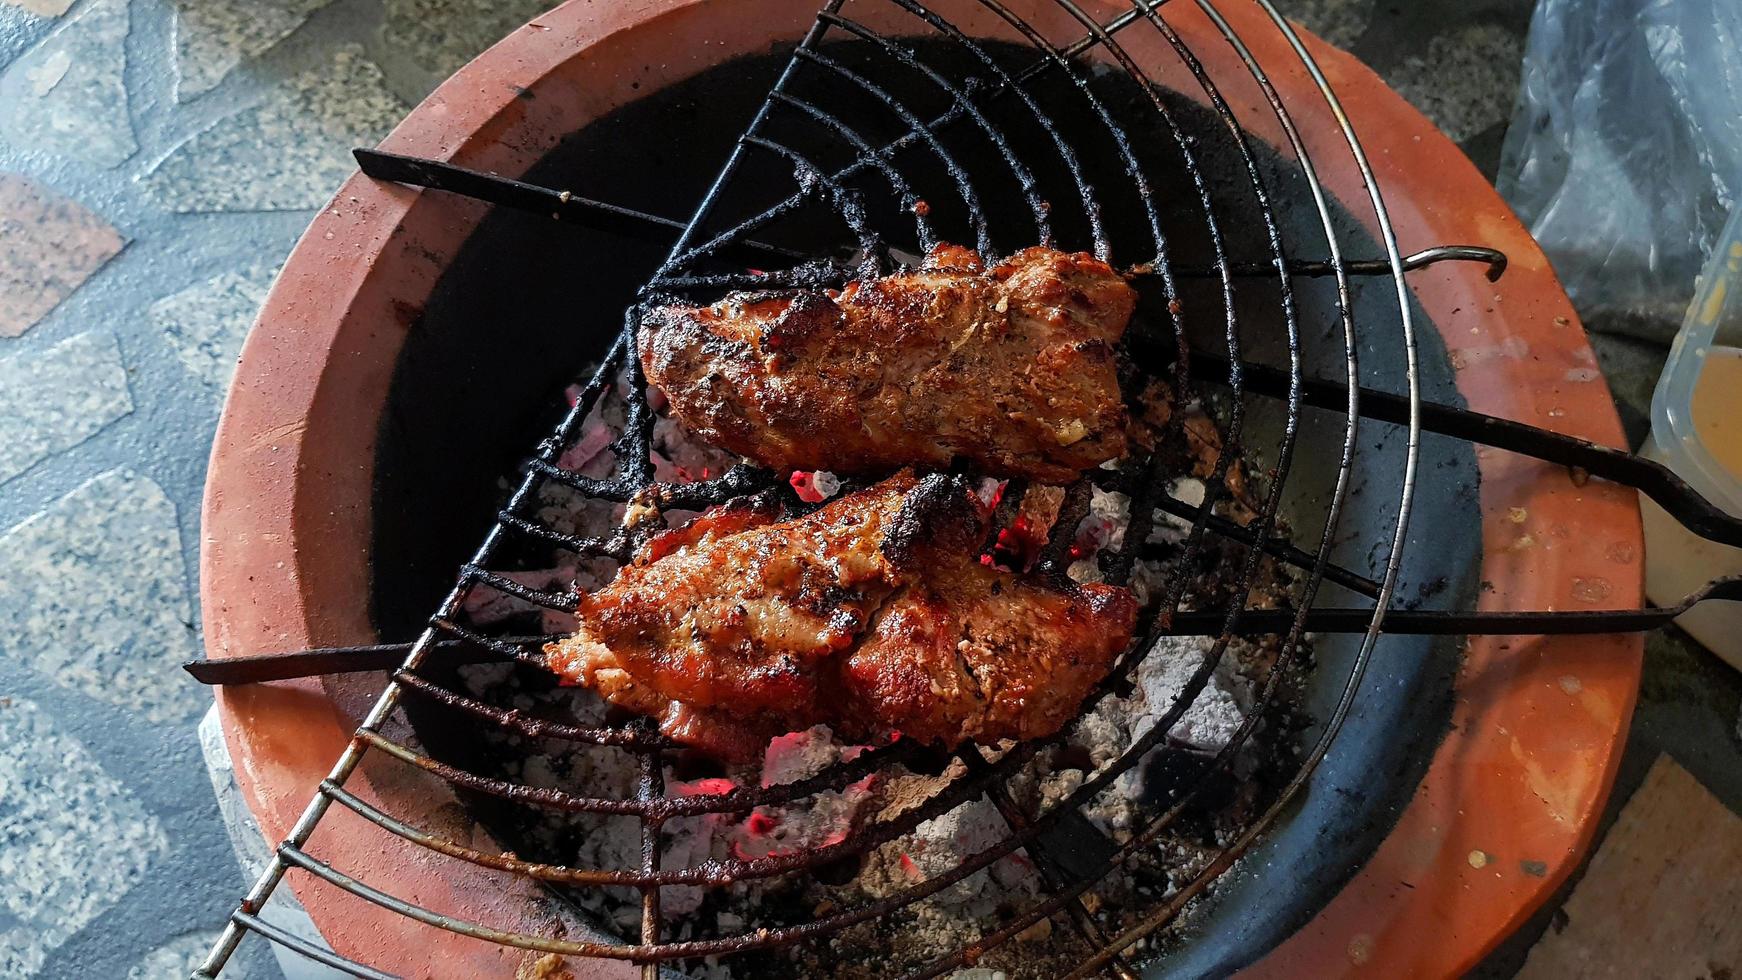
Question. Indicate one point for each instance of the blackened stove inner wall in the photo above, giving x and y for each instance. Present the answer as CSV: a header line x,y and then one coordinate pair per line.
x,y
527,302
523,307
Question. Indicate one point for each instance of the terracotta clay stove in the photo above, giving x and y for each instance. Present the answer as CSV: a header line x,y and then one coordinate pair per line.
x,y
1494,797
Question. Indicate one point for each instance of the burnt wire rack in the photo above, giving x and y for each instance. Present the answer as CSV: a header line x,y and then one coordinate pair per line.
x,y
925,186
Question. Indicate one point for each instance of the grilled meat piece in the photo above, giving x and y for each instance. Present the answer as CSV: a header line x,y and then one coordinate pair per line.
x,y
1011,368
873,615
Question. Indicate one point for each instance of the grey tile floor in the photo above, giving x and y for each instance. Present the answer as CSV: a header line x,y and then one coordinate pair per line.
x,y
158,159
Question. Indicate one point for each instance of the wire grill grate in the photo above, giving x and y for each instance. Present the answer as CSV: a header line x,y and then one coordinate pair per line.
x,y
896,171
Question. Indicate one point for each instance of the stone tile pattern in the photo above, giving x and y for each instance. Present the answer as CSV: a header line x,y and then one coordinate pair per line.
x,y
205,323
20,30
442,35
212,37
252,853
1340,22
67,95
174,959
1465,81
42,8
94,596
75,839
49,245
179,957
288,153
54,399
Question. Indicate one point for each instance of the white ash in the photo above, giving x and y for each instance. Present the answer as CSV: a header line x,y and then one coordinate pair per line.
x,y
1188,490
1116,723
1103,527
1149,578
827,484
941,844
1219,709
955,916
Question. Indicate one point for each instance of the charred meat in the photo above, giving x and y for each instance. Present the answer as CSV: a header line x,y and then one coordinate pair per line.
x,y
873,615
1010,368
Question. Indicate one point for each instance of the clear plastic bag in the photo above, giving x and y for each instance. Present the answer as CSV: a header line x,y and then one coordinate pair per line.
x,y
1625,152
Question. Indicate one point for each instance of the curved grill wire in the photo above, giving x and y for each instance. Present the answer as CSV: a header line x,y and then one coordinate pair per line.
x,y
636,478
689,269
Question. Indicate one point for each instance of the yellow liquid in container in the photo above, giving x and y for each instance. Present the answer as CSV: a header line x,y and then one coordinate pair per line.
x,y
1717,407
1696,430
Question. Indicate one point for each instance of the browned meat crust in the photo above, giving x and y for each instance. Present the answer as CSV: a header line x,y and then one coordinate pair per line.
x,y
872,615
1011,368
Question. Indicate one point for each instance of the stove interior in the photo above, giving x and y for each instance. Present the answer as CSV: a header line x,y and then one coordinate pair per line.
x,y
528,302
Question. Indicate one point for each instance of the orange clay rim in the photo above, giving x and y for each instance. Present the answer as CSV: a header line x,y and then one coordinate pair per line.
x,y
1510,799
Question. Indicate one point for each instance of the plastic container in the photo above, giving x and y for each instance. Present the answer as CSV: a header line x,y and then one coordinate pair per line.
x,y
1696,430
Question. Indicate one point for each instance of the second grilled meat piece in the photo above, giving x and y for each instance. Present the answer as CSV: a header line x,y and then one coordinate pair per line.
x,y
1011,368
872,615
